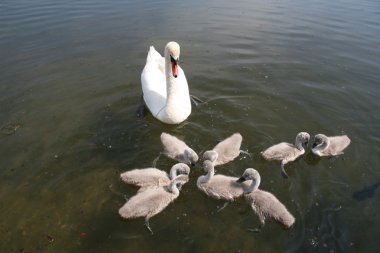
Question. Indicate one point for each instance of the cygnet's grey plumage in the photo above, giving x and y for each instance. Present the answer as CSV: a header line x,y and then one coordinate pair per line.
x,y
225,151
152,201
264,203
220,186
152,176
176,149
330,146
287,152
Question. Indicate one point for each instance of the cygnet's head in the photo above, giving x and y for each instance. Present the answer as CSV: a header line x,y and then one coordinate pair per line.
x,y
191,157
182,178
181,169
303,138
172,49
210,155
250,174
320,140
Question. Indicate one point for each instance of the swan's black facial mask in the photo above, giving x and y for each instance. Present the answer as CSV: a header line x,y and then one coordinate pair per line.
x,y
173,60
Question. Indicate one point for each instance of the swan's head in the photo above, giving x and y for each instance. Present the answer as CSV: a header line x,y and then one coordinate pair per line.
x,y
172,50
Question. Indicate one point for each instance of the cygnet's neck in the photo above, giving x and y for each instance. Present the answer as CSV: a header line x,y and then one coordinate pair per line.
x,y
210,173
322,146
173,187
173,172
299,145
255,184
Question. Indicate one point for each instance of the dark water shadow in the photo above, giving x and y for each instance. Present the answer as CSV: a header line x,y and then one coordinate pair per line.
x,y
312,159
366,192
320,227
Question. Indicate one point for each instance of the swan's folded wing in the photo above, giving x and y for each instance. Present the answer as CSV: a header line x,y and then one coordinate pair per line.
x,y
154,87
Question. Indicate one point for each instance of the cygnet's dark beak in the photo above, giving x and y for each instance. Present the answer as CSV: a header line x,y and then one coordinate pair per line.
x,y
241,180
315,144
192,164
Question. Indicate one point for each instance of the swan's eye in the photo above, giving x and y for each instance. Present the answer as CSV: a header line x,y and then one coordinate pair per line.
x,y
173,60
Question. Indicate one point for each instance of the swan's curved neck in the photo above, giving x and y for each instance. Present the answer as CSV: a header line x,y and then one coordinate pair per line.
x,y
255,184
171,81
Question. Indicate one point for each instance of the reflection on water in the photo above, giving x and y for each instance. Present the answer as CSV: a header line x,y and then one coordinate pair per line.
x,y
70,88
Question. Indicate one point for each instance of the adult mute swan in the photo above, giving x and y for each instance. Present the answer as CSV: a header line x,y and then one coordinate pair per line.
x,y
330,146
164,85
287,152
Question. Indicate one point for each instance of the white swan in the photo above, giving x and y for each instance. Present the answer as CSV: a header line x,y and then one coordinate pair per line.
x,y
164,86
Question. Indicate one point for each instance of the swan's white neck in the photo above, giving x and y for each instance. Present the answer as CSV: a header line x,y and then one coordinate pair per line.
x,y
171,81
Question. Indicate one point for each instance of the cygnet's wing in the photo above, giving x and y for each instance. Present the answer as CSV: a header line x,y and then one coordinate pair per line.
x,y
228,149
337,145
174,148
280,151
145,177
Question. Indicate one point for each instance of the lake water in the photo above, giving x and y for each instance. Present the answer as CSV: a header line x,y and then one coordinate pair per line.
x,y
70,88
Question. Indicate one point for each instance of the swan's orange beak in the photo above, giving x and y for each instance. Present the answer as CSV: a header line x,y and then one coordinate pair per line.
x,y
174,66
175,69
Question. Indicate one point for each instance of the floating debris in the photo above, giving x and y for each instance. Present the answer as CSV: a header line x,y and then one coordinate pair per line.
x,y
50,238
9,129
